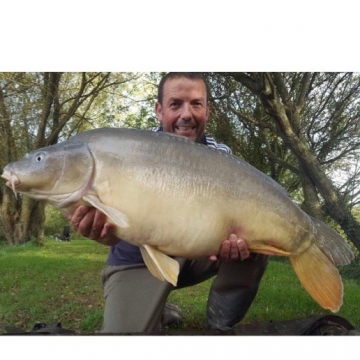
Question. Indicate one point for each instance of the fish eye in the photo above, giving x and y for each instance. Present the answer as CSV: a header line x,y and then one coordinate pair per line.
x,y
39,157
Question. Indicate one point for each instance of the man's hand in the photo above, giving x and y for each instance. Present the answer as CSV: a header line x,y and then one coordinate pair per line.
x,y
232,249
91,223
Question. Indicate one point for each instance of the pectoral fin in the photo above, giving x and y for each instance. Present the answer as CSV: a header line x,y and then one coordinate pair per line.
x,y
160,265
268,250
117,217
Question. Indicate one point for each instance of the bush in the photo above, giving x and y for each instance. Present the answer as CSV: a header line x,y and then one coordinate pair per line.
x,y
54,221
351,271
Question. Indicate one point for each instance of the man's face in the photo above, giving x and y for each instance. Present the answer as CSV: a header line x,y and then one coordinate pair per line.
x,y
185,109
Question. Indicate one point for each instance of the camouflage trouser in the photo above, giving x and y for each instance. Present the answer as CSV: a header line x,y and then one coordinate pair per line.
x,y
135,299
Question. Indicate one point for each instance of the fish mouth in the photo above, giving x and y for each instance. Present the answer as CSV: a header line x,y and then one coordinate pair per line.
x,y
12,180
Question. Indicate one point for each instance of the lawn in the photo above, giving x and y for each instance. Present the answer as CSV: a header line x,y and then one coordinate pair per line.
x,y
60,282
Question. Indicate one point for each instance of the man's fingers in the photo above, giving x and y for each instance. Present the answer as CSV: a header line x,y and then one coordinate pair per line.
x,y
213,258
78,216
234,251
225,250
91,223
105,230
97,225
242,249
84,224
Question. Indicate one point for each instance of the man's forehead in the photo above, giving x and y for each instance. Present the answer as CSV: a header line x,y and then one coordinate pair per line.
x,y
178,86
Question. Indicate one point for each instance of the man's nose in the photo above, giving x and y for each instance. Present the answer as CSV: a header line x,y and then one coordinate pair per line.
x,y
186,112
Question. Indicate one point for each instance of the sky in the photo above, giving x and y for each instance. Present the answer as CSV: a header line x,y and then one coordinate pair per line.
x,y
164,35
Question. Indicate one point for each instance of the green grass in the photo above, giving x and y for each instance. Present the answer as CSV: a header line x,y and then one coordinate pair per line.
x,y
280,297
56,282
60,282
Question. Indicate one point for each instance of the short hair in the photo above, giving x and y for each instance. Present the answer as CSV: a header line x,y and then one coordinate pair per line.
x,y
177,75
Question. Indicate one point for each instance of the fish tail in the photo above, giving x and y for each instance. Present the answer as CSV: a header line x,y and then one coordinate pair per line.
x,y
320,277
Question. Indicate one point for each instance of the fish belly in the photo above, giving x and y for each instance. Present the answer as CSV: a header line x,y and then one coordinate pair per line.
x,y
193,223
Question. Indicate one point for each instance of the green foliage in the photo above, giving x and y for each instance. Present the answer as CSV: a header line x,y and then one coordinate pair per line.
x,y
352,271
55,221
145,119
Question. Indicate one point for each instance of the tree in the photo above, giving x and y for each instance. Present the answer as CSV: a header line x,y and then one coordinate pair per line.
x,y
38,109
238,119
316,116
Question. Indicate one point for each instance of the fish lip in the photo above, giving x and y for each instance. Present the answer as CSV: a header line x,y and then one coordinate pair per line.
x,y
12,180
6,176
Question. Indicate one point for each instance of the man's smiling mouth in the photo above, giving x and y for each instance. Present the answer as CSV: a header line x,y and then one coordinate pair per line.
x,y
185,128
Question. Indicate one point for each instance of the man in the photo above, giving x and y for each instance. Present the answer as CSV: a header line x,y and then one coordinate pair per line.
x,y
134,299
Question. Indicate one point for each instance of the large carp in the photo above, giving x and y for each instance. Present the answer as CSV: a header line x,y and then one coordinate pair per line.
x,y
171,196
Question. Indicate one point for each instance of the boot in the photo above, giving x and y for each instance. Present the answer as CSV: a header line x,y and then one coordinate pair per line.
x,y
171,316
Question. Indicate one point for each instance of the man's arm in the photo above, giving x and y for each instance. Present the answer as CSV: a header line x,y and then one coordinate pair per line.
x,y
91,223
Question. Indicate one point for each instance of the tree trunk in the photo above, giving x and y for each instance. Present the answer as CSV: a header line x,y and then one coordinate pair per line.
x,y
9,216
311,204
31,221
